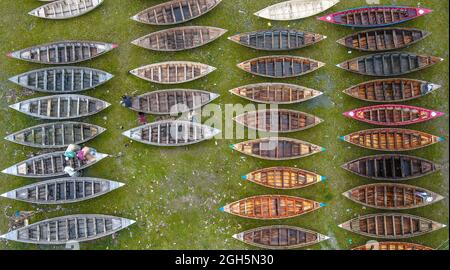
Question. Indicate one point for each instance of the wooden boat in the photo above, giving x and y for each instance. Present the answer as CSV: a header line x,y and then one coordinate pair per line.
x,y
62,80
375,16
172,101
295,9
383,39
280,66
269,207
389,196
172,72
63,52
391,225
389,63
391,167
391,139
391,90
277,39
60,230
275,93
176,11
63,190
61,107
392,246
65,9
277,148
56,135
171,133
280,237
277,120
283,177
179,38
50,165
393,115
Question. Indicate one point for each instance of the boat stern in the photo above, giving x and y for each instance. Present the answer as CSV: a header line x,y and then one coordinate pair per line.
x,y
9,195
423,11
127,134
127,222
263,13
15,54
10,138
213,96
238,236
13,236
321,237
327,18
436,114
17,107
234,38
115,185
11,170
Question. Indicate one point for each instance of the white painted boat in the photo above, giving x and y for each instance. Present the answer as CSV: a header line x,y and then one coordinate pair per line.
x,y
295,9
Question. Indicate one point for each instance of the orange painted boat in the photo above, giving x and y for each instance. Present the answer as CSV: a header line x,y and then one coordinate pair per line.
x,y
392,246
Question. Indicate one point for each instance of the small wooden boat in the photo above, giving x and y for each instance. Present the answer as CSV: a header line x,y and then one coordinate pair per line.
x,y
295,9
391,139
391,167
172,72
56,135
62,80
269,207
277,120
391,90
283,177
275,93
63,190
176,11
383,39
391,225
280,66
60,230
277,148
389,63
277,39
171,133
389,196
65,9
393,115
392,246
280,237
50,165
172,101
375,16
61,107
63,52
179,38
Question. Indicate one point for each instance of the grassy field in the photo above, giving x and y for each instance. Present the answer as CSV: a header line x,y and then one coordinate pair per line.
x,y
174,194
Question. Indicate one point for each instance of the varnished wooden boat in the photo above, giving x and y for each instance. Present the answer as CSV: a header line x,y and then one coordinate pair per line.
x,y
60,230
275,93
391,225
390,196
176,11
171,133
277,120
375,16
62,80
383,39
63,190
392,246
391,90
179,38
172,101
391,167
391,139
283,177
393,115
280,237
63,52
56,135
295,9
172,72
277,39
277,148
61,107
65,9
389,63
269,207
50,165
280,66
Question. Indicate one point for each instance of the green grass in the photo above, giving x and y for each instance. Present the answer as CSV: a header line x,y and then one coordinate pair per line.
x,y
174,194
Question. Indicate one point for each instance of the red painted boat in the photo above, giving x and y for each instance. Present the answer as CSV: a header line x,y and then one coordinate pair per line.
x,y
375,16
393,115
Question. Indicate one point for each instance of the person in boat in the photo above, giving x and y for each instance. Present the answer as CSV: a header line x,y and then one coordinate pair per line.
x,y
71,151
126,101
71,171
141,118
87,153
